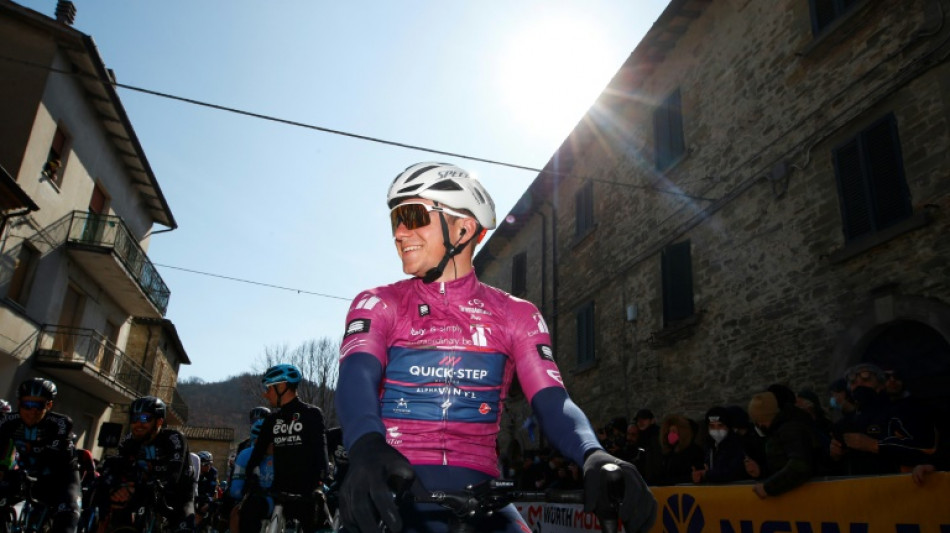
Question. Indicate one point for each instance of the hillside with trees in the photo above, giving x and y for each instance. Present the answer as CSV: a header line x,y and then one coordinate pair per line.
x,y
227,403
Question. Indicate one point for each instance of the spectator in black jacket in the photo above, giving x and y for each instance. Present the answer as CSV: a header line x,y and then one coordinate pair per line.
x,y
790,446
724,453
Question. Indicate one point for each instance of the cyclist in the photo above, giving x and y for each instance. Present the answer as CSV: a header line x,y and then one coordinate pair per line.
x,y
426,363
42,443
207,488
256,413
156,456
297,432
257,505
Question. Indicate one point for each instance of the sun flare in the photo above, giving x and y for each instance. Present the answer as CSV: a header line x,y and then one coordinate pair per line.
x,y
552,73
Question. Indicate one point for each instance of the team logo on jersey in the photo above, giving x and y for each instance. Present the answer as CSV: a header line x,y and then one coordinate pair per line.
x,y
402,406
358,325
545,352
423,309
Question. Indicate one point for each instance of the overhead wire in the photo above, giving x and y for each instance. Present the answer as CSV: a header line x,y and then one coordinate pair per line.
x,y
367,138
262,284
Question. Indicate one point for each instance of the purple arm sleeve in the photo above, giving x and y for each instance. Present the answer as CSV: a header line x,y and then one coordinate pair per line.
x,y
357,397
564,424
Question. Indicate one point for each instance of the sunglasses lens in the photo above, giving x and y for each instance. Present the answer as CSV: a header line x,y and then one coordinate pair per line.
x,y
410,215
142,418
32,405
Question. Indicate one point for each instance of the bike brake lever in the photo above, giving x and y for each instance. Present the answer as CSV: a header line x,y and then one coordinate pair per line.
x,y
608,517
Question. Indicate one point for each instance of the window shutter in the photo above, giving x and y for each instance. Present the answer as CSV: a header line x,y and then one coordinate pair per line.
x,y
852,190
677,282
891,195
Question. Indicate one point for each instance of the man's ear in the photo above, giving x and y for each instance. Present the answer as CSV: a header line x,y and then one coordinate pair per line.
x,y
469,227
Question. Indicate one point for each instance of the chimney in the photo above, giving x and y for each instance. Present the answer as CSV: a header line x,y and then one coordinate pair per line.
x,y
65,12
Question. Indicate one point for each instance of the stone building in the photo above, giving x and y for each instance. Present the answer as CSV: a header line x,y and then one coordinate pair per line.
x,y
760,195
218,441
80,301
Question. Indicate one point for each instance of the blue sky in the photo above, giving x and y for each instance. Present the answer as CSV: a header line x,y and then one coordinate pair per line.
x,y
292,207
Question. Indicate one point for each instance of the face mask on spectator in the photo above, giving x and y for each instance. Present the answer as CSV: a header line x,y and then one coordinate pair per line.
x,y
672,438
718,434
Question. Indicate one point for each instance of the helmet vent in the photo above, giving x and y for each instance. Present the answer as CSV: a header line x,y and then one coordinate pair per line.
x,y
446,185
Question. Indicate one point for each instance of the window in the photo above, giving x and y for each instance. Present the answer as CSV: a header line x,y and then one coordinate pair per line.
x,y
677,266
872,189
56,159
584,210
519,274
668,131
24,271
824,12
585,334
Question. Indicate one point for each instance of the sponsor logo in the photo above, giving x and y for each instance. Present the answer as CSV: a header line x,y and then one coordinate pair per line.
x,y
480,334
402,406
476,303
368,302
484,409
423,309
473,310
416,332
359,325
681,514
546,352
555,375
542,326
453,174
474,374
455,391
288,432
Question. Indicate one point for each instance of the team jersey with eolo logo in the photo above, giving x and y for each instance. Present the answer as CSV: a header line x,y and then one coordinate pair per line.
x,y
449,352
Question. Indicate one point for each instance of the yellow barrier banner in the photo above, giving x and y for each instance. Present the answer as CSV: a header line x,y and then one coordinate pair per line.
x,y
884,504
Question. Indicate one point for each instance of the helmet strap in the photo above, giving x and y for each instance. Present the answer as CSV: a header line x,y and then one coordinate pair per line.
x,y
451,250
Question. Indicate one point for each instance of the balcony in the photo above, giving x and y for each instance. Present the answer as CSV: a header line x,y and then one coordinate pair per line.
x,y
176,404
105,248
88,361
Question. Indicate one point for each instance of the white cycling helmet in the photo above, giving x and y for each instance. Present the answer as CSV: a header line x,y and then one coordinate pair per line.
x,y
446,184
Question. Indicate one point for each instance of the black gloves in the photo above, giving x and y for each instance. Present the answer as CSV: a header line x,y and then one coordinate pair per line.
x,y
376,472
637,505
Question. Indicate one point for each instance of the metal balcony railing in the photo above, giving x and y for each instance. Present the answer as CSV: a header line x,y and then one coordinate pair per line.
x,y
111,232
95,353
174,400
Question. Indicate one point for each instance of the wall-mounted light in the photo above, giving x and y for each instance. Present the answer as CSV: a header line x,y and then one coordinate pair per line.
x,y
631,312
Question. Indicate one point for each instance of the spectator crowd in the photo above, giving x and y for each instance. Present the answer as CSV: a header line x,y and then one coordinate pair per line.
x,y
778,441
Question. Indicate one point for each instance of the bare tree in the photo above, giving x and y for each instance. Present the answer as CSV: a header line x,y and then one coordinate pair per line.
x,y
317,360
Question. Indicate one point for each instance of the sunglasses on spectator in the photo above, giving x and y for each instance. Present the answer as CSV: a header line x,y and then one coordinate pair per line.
x,y
32,404
416,215
142,418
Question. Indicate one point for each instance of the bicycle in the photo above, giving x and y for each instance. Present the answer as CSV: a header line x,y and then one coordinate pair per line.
x,y
34,515
145,513
278,523
481,500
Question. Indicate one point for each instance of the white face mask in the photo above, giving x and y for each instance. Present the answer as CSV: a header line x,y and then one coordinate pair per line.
x,y
718,434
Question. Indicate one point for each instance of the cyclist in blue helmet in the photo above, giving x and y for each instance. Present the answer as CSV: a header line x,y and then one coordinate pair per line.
x,y
297,432
44,449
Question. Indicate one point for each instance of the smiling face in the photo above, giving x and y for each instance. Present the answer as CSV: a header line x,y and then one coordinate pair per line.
x,y
422,248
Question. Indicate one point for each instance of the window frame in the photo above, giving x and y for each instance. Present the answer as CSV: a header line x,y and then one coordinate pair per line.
x,y
584,222
676,266
24,274
58,151
669,141
859,181
585,330
821,22
519,274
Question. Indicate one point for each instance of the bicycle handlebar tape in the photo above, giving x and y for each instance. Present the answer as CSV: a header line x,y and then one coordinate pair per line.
x,y
613,487
378,474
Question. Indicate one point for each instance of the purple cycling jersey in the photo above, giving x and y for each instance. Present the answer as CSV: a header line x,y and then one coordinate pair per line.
x,y
449,352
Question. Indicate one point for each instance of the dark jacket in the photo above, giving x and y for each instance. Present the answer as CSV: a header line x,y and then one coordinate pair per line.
x,y
790,450
679,461
725,461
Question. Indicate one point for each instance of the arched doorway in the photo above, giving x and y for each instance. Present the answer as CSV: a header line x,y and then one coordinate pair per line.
x,y
920,353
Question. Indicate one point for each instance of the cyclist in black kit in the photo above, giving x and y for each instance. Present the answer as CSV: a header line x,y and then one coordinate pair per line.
x,y
152,455
298,433
42,442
